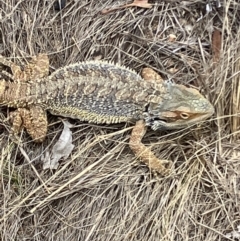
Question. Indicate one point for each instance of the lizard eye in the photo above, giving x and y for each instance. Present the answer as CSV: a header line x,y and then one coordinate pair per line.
x,y
184,115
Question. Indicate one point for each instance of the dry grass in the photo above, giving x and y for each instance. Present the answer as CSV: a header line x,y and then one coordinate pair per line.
x,y
101,192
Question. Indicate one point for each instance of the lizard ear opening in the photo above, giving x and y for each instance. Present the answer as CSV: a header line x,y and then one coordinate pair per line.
x,y
184,115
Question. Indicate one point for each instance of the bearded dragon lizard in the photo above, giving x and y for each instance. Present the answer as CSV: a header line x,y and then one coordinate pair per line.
x,y
100,92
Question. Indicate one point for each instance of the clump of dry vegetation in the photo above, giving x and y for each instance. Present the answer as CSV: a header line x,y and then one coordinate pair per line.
x,y
101,192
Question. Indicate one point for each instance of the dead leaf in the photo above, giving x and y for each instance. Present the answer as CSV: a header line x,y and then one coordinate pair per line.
x,y
62,148
135,3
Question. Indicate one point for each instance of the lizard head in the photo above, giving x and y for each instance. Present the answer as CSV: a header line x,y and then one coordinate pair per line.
x,y
184,107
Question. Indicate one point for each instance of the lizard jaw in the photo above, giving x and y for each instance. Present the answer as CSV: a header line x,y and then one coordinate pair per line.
x,y
161,124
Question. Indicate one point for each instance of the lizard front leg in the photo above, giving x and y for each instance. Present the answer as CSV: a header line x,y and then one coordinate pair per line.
x,y
146,155
149,74
143,152
34,119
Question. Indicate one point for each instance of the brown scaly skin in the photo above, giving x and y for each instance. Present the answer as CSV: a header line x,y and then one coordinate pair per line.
x,y
100,92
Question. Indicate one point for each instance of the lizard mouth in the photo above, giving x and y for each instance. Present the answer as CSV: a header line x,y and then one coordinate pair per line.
x,y
157,123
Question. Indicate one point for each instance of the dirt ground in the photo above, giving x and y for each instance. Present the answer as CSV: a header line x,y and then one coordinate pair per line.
x,y
102,192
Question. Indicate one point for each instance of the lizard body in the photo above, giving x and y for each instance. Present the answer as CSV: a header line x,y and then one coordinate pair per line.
x,y
94,92
100,92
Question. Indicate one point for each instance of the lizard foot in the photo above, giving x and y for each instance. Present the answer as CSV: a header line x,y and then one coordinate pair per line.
x,y
162,167
38,67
